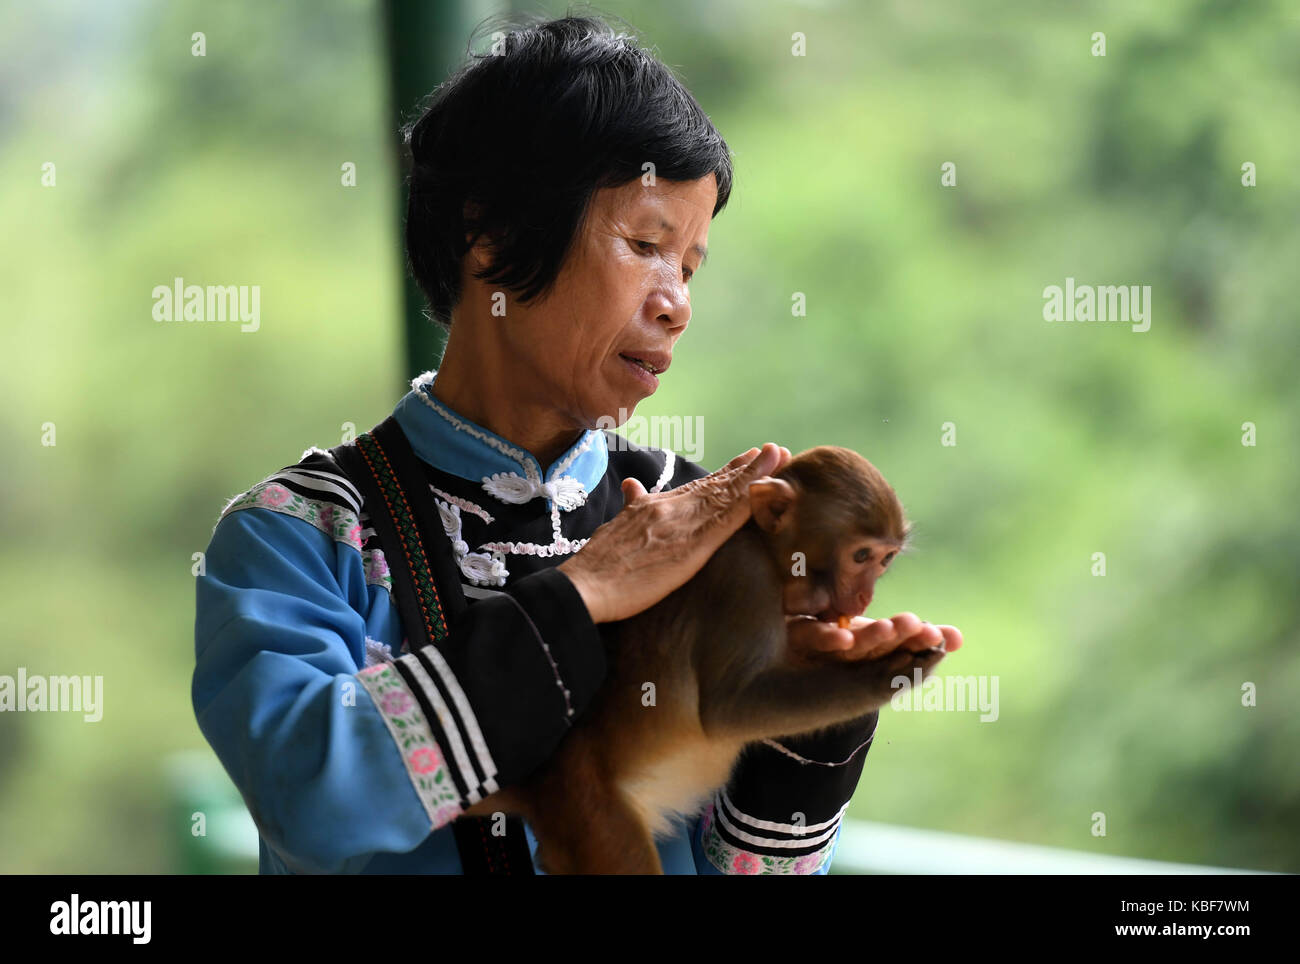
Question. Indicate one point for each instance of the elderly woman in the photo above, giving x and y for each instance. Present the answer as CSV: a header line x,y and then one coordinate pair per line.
x,y
560,202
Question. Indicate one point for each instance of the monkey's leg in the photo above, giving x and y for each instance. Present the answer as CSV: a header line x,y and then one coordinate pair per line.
x,y
602,835
784,700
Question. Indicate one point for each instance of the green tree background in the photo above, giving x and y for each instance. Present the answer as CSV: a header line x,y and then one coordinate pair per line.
x,y
1120,694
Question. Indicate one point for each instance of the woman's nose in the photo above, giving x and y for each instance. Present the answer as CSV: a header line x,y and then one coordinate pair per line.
x,y
673,304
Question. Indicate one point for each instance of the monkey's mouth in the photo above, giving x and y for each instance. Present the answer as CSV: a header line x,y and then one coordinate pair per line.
x,y
837,618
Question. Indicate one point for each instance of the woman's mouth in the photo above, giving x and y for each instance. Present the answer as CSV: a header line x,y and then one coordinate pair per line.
x,y
645,372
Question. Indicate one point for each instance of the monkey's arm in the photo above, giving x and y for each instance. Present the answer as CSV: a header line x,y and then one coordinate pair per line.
x,y
780,812
751,826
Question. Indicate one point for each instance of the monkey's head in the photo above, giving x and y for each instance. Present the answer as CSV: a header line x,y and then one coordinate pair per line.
x,y
833,526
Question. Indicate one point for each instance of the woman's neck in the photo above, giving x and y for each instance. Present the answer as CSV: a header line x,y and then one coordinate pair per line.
x,y
488,392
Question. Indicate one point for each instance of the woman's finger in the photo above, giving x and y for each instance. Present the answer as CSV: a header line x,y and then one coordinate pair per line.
x,y
632,490
744,458
951,637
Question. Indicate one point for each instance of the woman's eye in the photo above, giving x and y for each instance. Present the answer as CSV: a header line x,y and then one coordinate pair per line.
x,y
648,247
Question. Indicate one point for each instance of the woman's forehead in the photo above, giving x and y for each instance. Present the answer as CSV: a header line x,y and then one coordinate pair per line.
x,y
663,200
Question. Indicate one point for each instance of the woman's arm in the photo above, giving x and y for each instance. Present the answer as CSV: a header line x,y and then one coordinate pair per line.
x,y
337,763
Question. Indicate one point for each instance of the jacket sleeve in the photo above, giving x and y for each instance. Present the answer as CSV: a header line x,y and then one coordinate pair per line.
x,y
781,810
337,763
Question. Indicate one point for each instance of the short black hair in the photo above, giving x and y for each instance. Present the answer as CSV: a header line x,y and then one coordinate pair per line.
x,y
515,143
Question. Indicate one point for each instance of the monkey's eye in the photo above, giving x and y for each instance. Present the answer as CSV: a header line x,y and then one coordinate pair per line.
x,y
888,559
862,555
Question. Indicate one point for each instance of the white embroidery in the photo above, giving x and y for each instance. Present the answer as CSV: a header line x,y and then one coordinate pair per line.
x,y
525,462
478,567
533,549
565,491
377,652
511,487
795,756
572,457
465,504
670,461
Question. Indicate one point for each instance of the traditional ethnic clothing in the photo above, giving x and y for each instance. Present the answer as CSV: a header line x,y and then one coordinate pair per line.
x,y
355,755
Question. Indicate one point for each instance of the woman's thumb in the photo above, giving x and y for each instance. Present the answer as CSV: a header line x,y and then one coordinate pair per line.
x,y
632,490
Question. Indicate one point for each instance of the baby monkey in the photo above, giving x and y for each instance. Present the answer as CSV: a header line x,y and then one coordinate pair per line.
x,y
708,669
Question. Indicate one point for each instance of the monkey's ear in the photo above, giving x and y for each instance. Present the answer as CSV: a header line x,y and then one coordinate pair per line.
x,y
772,502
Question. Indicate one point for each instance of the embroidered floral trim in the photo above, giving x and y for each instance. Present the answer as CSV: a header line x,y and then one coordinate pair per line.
x,y
340,524
733,860
376,567
420,752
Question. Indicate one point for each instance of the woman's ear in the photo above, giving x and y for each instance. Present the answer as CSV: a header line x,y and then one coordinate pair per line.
x,y
772,503
480,249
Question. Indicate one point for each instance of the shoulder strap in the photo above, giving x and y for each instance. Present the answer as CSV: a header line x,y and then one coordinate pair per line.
x,y
395,493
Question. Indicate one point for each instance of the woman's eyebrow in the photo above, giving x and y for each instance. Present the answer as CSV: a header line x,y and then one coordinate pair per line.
x,y
699,249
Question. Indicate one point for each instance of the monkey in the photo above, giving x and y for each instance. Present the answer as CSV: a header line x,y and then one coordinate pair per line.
x,y
705,671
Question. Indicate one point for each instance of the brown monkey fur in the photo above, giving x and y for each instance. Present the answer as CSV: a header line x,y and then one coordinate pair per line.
x,y
716,652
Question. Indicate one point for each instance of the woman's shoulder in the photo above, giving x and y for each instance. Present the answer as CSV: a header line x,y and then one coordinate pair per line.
x,y
315,489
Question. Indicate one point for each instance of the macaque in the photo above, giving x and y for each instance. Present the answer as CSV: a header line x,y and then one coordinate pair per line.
x,y
716,654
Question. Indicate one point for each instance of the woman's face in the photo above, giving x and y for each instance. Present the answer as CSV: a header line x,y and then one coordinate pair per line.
x,y
621,294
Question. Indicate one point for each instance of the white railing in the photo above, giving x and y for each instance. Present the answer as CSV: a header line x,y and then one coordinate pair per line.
x,y
198,784
879,848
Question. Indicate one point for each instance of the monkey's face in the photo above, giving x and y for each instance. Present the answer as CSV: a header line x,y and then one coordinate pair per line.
x,y
834,526
840,578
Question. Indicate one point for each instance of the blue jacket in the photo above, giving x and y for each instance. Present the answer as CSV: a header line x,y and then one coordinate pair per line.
x,y
354,755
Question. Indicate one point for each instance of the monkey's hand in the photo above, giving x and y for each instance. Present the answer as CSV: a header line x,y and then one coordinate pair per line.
x,y
812,641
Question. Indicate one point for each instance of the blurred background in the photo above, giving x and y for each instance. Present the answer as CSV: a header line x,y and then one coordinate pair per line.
x,y
126,160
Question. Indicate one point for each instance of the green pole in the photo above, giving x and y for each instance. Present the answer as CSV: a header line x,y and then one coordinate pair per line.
x,y
425,40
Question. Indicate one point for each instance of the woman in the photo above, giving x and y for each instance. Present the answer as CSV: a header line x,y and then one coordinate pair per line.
x,y
560,260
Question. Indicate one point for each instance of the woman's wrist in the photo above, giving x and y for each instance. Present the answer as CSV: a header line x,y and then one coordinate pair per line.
x,y
587,588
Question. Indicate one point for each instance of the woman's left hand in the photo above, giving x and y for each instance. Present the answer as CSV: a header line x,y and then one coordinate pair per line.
x,y
812,640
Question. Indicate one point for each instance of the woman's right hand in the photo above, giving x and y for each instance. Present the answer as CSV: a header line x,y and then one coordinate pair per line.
x,y
660,540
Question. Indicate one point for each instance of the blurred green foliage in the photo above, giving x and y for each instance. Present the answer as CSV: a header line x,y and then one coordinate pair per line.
x,y
1119,694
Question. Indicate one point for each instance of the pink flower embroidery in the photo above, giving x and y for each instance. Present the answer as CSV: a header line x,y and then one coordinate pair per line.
x,y
746,864
327,515
377,565
707,821
354,536
394,703
426,759
807,863
274,495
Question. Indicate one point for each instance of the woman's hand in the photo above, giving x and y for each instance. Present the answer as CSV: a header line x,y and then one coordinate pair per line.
x,y
812,640
660,540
